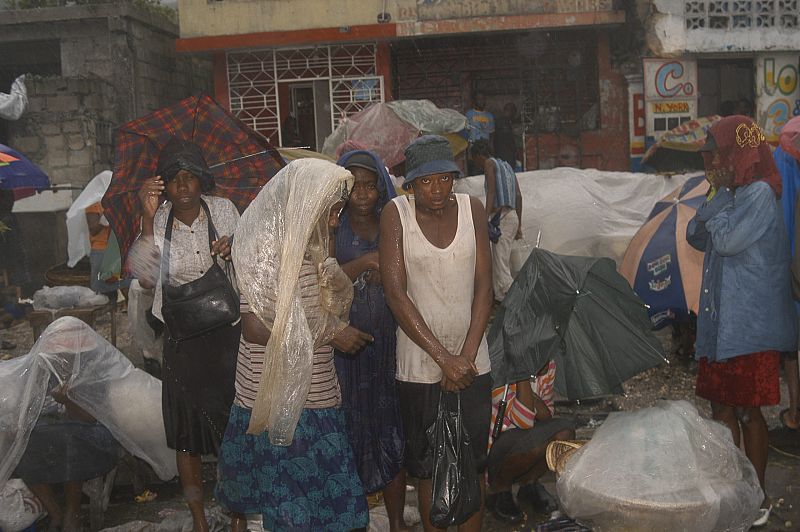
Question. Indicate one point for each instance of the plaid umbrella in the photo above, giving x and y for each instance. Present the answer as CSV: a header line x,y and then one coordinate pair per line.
x,y
241,160
17,173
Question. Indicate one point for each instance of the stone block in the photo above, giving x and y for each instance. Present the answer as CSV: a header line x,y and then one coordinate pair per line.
x,y
27,145
55,158
51,129
58,176
75,141
72,126
35,104
54,142
62,103
78,175
82,157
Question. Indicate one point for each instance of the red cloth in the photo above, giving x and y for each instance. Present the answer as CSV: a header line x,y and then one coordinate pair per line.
x,y
742,151
746,381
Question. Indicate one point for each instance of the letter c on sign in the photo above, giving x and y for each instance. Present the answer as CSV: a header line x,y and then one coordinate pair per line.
x,y
671,71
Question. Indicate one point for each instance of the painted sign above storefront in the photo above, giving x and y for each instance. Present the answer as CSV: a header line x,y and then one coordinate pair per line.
x,y
670,92
454,9
777,92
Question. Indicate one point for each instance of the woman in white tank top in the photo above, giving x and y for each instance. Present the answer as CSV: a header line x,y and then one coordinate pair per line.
x,y
437,272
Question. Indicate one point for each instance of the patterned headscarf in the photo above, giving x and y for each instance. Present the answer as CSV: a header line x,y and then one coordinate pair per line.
x,y
743,152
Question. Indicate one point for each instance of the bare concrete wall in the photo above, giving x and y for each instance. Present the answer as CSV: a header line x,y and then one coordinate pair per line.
x,y
117,63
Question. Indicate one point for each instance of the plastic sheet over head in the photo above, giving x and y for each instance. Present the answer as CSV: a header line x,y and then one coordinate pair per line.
x,y
661,468
78,244
286,222
98,378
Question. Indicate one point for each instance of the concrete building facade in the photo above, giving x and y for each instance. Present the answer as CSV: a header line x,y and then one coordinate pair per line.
x,y
90,69
318,61
706,57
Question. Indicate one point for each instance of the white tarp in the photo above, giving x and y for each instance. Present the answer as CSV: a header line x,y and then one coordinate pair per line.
x,y
590,213
13,105
78,245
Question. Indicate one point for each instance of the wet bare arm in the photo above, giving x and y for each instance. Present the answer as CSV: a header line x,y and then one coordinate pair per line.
x,y
532,401
482,301
253,330
367,261
393,272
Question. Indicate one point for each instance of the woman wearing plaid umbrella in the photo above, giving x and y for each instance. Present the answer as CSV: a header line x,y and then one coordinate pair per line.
x,y
199,372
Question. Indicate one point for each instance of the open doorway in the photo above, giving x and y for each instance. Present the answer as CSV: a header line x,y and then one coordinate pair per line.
x,y
307,117
726,86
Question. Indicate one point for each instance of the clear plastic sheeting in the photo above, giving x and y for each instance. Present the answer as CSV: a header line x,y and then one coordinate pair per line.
x,y
143,338
660,468
62,297
78,245
589,213
98,378
387,128
287,222
12,105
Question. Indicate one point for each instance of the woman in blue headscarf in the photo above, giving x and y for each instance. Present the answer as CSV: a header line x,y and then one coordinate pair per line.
x,y
367,379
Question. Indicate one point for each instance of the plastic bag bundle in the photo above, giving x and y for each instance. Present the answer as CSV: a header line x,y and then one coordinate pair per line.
x,y
61,297
13,104
661,468
287,222
98,378
20,507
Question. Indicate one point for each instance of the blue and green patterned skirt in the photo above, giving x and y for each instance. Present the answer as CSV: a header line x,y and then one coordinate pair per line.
x,y
310,485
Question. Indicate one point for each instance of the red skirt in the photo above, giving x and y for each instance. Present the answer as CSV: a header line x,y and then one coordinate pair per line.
x,y
746,381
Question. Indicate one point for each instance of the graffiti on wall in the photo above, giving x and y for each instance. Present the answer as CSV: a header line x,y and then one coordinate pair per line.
x,y
778,92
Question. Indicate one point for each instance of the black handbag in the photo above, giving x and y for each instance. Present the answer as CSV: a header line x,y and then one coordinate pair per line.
x,y
456,490
200,306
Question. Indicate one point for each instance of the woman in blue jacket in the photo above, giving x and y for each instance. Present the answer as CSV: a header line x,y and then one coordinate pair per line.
x,y
746,311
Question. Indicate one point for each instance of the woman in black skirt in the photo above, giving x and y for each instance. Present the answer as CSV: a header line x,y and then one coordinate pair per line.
x,y
198,373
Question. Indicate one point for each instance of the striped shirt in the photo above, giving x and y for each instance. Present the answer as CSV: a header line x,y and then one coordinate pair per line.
x,y
519,416
505,185
324,391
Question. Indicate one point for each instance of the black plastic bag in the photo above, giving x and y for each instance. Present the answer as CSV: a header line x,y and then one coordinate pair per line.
x,y
456,490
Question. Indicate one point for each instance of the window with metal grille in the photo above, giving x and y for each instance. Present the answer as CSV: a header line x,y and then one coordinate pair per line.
x,y
560,81
254,77
553,74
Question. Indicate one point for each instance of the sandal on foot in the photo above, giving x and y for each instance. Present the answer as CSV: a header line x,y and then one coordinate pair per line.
x,y
763,517
782,417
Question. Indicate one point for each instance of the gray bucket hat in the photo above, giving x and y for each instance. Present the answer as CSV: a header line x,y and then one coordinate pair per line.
x,y
428,155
